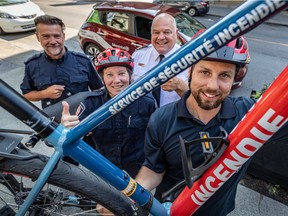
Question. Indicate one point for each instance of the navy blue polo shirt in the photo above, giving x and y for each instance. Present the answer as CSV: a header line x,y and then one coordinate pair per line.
x,y
162,147
74,70
121,137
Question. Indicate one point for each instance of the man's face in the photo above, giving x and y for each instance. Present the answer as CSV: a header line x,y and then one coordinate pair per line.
x,y
163,35
211,83
51,38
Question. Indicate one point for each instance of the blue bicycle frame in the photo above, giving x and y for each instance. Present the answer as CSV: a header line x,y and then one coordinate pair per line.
x,y
68,142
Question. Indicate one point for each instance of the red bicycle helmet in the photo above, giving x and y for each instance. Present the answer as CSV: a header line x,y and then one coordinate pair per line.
x,y
113,57
236,52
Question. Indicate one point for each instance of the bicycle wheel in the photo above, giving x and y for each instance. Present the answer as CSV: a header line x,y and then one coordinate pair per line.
x,y
72,187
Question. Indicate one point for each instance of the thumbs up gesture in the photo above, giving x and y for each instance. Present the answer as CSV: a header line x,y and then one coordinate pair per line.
x,y
67,119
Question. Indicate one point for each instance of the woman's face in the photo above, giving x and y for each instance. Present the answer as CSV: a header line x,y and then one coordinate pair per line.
x,y
116,78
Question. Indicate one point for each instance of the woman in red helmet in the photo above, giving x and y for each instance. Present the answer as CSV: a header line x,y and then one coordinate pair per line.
x,y
121,137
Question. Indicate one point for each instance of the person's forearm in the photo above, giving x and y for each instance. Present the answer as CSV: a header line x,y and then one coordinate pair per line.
x,y
35,95
182,87
148,178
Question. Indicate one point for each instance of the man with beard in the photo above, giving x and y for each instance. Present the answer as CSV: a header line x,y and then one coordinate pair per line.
x,y
56,73
205,108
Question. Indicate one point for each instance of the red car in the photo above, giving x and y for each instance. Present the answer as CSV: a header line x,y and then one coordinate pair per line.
x,y
127,25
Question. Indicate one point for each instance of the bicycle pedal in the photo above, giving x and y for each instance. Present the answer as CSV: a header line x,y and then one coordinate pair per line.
x,y
7,211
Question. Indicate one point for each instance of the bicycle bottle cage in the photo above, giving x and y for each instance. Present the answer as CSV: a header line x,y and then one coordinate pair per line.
x,y
191,173
172,194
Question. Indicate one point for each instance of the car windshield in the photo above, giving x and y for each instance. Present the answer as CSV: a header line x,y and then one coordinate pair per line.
x,y
12,2
187,25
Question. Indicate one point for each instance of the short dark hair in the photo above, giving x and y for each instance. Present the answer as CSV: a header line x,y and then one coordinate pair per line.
x,y
49,20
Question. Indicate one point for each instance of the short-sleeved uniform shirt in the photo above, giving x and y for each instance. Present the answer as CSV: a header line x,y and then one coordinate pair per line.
x,y
162,147
145,59
121,137
75,71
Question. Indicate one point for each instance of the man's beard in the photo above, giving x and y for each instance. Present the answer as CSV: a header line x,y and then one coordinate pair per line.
x,y
206,105
55,50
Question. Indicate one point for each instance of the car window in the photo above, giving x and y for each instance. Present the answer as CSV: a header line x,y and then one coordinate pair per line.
x,y
143,27
116,20
94,17
188,25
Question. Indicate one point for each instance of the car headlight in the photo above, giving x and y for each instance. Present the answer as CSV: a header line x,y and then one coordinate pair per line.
x,y
6,15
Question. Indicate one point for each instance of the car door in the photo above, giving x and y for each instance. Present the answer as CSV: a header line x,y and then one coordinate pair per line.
x,y
115,29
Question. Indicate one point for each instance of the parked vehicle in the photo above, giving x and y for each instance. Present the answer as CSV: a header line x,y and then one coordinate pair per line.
x,y
18,15
127,25
192,7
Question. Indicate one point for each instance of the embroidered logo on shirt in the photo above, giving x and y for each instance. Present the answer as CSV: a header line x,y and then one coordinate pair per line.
x,y
80,109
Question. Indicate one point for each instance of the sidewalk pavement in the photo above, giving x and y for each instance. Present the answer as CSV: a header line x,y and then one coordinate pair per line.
x,y
221,9
249,202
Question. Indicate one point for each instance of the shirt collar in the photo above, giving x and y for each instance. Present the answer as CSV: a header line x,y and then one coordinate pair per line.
x,y
155,54
228,109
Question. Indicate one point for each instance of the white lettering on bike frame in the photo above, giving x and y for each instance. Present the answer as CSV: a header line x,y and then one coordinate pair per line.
x,y
259,134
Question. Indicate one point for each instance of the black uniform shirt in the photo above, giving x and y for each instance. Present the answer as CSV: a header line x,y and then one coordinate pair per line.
x,y
75,71
162,147
121,137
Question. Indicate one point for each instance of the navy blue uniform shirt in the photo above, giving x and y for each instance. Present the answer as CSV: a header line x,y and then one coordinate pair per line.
x,y
74,70
162,147
121,137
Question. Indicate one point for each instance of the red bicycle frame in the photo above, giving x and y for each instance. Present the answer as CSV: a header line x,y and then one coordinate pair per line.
x,y
265,118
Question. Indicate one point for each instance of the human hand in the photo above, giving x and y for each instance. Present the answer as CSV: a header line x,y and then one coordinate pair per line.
x,y
67,119
171,85
54,91
102,210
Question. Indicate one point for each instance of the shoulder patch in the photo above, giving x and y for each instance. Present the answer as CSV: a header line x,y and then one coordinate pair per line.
x,y
35,56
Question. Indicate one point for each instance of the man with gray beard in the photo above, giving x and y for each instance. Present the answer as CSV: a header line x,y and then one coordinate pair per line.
x,y
56,73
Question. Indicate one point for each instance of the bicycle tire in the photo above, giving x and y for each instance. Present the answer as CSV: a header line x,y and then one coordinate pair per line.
x,y
76,179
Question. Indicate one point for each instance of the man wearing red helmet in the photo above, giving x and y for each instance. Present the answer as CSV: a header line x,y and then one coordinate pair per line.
x,y
205,108
121,137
